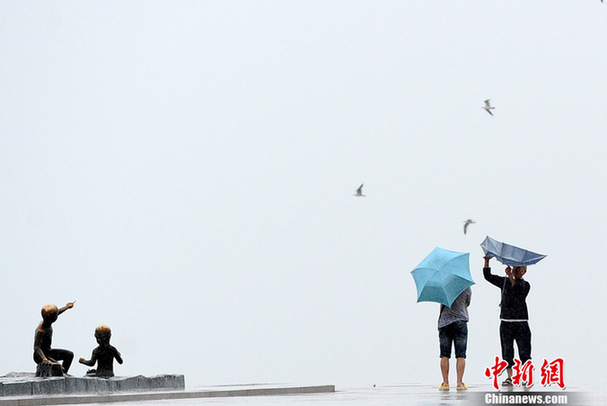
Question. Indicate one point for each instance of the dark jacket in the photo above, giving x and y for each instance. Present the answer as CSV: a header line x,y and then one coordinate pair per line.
x,y
513,305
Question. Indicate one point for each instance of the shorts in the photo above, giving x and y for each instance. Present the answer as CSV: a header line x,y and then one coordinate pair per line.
x,y
456,335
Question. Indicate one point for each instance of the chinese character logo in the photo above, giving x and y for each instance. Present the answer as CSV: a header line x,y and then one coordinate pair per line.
x,y
522,374
553,373
495,371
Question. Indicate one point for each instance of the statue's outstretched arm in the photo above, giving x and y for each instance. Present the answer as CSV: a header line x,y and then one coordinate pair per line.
x,y
64,308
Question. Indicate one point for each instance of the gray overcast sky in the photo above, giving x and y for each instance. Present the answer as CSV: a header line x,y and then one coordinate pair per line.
x,y
185,170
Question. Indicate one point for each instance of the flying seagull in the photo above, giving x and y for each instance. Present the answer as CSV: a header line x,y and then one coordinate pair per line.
x,y
467,223
488,107
359,191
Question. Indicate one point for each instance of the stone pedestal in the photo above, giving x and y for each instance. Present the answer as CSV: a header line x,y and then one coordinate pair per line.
x,y
46,370
27,384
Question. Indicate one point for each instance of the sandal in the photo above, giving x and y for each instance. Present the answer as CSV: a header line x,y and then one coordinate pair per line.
x,y
443,387
507,382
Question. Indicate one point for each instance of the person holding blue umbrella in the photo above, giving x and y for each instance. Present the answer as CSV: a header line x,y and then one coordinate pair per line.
x,y
444,277
453,332
514,316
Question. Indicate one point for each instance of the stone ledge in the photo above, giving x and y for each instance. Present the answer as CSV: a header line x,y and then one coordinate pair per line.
x,y
159,395
26,384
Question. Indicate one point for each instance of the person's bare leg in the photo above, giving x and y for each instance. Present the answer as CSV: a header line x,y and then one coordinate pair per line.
x,y
460,367
444,368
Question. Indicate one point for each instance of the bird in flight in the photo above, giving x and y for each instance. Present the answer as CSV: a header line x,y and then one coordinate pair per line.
x,y
488,107
467,223
359,191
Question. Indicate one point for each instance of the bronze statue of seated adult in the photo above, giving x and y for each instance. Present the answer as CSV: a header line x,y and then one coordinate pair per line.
x,y
47,358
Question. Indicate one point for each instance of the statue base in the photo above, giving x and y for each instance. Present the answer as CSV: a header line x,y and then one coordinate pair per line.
x,y
46,370
27,384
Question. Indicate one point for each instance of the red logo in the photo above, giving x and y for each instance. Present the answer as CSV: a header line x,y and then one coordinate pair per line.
x,y
522,375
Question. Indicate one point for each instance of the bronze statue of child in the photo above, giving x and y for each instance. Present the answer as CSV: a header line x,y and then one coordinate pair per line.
x,y
45,357
103,355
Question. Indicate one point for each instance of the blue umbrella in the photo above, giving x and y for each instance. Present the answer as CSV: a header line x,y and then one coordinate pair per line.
x,y
509,254
442,276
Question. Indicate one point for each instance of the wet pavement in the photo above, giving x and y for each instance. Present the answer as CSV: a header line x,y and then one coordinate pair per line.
x,y
409,395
